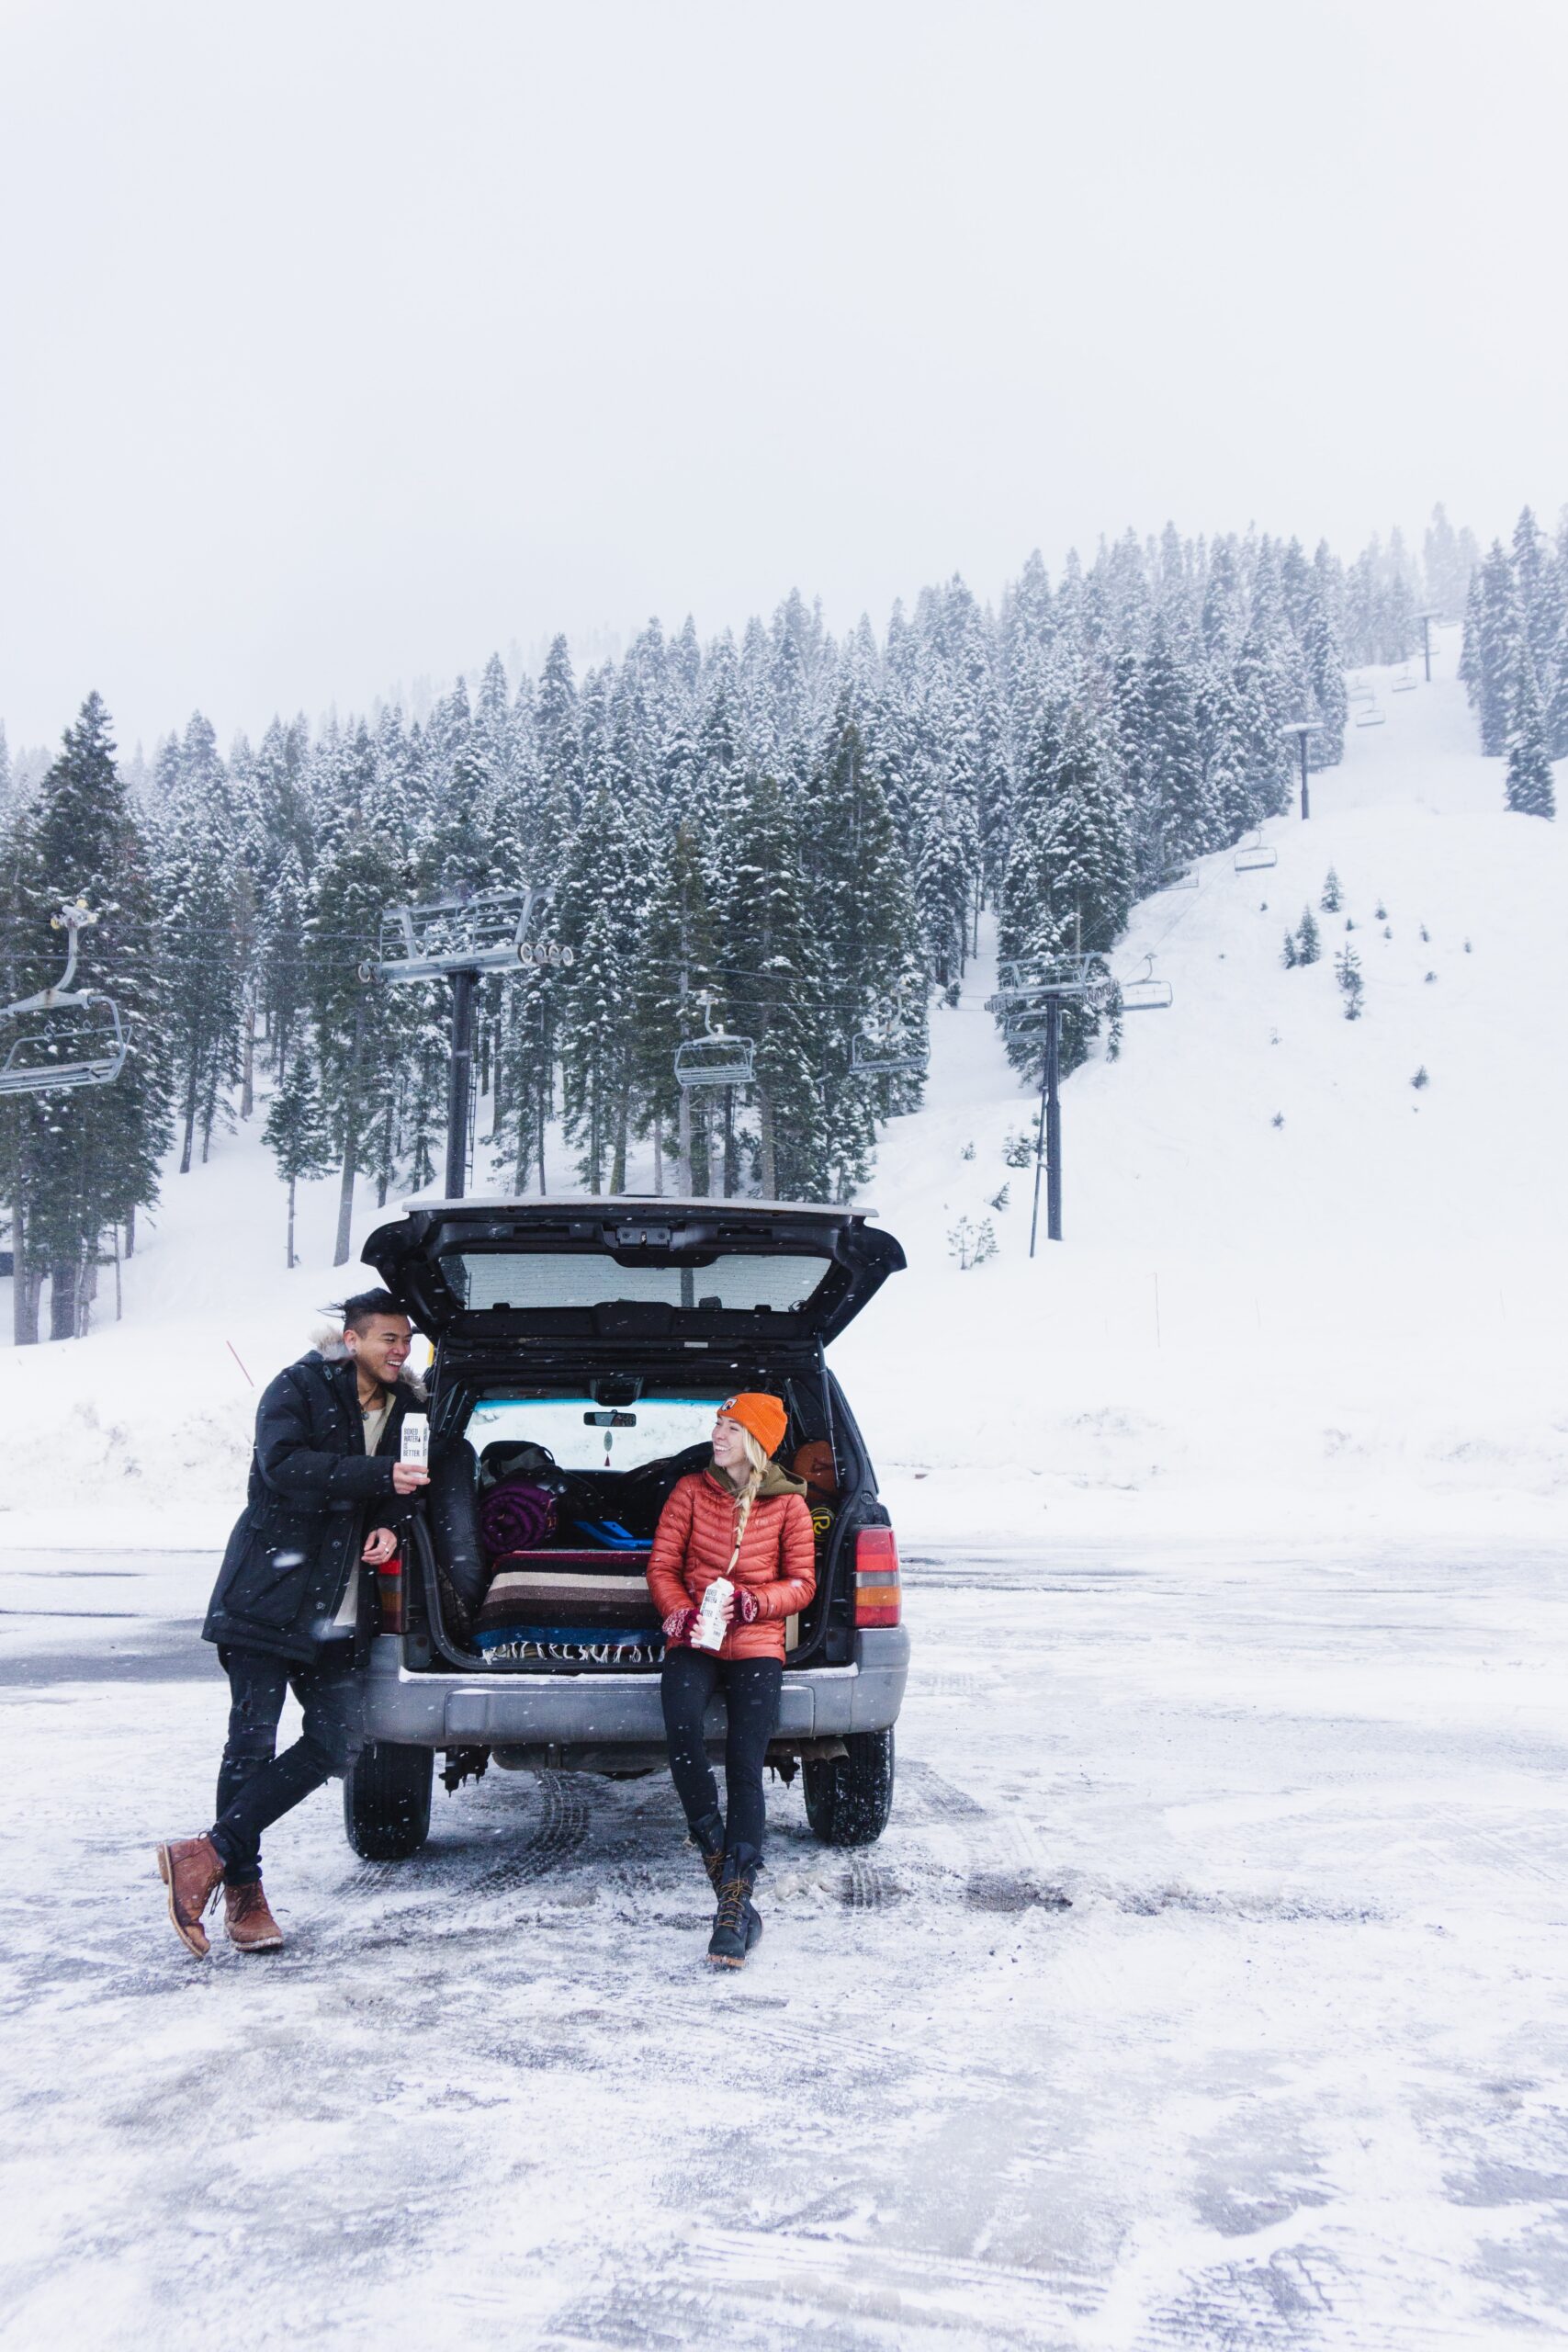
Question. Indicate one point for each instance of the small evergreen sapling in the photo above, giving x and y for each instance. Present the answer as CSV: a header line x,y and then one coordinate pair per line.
x,y
1332,899
1000,1200
1420,1078
1278,1120
972,1244
1308,947
1347,972
968,1152
1019,1150
296,1133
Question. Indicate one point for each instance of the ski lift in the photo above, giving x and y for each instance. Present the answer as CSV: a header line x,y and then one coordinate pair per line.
x,y
1253,856
882,1057
1406,682
1373,716
1145,994
87,1048
715,1058
1179,879
1024,980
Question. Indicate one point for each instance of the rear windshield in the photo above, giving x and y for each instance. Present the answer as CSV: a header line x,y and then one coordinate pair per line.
x,y
523,1279
581,1436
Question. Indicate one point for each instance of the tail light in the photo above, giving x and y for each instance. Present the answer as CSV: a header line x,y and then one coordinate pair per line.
x,y
390,1594
879,1596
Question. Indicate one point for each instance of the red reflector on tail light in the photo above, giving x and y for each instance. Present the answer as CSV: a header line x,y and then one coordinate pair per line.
x,y
390,1594
878,1594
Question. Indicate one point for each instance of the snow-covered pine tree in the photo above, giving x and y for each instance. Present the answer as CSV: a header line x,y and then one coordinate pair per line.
x,y
675,976
1497,650
772,968
1184,821
297,1133
1352,987
358,1026
868,938
77,1164
197,887
1309,945
1530,782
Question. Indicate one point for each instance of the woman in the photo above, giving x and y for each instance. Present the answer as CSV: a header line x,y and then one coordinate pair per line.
x,y
745,1519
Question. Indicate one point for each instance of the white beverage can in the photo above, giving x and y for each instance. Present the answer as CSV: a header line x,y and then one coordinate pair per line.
x,y
416,1440
710,1632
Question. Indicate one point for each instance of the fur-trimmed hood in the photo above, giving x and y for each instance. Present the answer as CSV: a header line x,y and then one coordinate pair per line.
x,y
326,1341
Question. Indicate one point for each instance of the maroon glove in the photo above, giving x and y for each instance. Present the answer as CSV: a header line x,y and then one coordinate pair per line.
x,y
679,1627
747,1607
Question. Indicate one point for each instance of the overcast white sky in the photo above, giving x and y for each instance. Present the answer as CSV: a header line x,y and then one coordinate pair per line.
x,y
343,343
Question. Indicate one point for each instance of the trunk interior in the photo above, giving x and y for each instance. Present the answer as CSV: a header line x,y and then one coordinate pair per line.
x,y
547,1484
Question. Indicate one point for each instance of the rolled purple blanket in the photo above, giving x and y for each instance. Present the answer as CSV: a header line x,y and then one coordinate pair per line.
x,y
517,1516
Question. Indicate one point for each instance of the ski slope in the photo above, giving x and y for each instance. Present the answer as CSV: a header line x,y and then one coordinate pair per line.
x,y
1347,1324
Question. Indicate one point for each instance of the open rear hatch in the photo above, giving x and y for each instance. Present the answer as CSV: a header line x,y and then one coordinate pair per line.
x,y
599,1315
748,1275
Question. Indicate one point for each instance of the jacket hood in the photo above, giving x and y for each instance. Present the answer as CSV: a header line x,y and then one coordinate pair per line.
x,y
775,1481
327,1347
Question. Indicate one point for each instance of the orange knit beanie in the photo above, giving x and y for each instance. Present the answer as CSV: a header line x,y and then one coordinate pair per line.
x,y
763,1414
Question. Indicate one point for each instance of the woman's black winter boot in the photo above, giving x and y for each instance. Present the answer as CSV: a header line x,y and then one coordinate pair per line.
x,y
707,1835
737,1925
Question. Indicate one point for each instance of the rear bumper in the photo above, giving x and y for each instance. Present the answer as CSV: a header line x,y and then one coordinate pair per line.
x,y
609,1712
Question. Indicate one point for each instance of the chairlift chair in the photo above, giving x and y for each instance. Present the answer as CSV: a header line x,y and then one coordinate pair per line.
x,y
715,1059
53,1056
1144,994
1371,717
880,1056
1253,856
1181,880
1406,682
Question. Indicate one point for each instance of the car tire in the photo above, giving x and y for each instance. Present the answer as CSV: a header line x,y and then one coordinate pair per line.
x,y
848,1798
386,1801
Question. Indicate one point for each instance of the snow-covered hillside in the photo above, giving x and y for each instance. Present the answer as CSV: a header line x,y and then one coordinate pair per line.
x,y
1296,1292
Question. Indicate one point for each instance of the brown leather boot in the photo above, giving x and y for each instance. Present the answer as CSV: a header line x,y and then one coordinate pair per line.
x,y
247,1916
192,1870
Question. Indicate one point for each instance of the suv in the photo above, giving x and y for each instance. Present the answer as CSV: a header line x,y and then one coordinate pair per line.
x,y
582,1349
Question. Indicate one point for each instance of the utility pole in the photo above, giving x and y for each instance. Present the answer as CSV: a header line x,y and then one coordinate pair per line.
x,y
460,1080
1301,728
1426,619
1031,1009
460,938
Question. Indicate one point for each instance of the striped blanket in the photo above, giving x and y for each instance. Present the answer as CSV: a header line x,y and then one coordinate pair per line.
x,y
550,1601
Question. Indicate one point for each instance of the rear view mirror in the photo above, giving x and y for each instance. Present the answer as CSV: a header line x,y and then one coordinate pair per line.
x,y
609,1421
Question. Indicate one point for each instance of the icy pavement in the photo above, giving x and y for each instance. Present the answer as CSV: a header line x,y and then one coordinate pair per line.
x,y
1207,1990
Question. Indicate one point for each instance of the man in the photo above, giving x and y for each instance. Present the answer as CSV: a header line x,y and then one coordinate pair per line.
x,y
327,1492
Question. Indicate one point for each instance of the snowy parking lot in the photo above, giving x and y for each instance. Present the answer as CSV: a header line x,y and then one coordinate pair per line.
x,y
1207,1989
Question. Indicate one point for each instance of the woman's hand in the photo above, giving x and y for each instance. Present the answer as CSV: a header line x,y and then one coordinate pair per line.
x,y
408,1477
743,1605
679,1627
379,1546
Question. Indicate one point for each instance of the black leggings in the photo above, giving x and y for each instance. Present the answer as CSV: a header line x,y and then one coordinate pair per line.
x,y
255,1786
751,1687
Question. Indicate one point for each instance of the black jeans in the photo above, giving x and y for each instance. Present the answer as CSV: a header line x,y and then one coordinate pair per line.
x,y
255,1786
751,1687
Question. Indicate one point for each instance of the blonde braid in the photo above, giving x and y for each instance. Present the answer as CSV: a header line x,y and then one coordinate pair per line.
x,y
756,1473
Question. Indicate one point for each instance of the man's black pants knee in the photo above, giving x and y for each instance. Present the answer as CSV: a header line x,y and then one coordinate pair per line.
x,y
255,1785
751,1687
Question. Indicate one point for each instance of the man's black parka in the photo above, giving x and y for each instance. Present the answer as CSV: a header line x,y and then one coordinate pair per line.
x,y
315,1494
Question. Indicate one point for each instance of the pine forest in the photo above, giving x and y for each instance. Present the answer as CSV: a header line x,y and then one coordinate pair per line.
x,y
789,837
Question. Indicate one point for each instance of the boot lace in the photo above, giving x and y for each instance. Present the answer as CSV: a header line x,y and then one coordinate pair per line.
x,y
732,1905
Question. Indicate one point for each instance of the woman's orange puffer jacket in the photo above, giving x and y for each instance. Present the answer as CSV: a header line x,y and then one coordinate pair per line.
x,y
777,1563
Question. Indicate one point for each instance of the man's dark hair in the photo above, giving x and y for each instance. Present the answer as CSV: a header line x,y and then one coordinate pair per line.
x,y
363,1309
